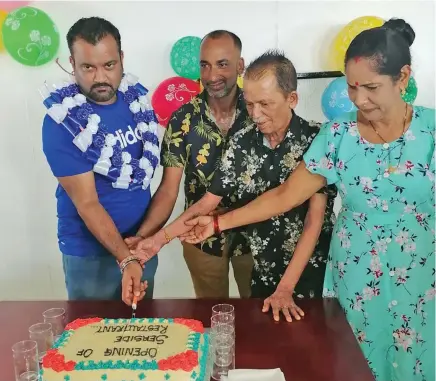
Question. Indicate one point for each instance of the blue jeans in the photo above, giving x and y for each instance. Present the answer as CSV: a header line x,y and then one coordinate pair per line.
x,y
99,278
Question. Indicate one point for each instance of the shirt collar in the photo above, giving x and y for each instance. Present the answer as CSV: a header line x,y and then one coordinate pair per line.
x,y
294,129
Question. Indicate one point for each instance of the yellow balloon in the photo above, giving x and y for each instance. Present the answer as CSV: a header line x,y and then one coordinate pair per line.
x,y
3,16
347,34
240,82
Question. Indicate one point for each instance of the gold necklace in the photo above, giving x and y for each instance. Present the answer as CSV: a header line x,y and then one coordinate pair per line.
x,y
392,168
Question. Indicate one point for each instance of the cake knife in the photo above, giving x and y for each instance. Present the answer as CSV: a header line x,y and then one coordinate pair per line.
x,y
134,305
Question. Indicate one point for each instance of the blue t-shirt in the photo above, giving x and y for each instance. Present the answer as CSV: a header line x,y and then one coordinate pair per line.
x,y
126,207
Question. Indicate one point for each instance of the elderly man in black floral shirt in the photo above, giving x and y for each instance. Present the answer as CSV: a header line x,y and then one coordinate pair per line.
x,y
290,251
193,143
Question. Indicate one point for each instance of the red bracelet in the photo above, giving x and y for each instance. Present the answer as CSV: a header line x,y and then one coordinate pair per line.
x,y
216,226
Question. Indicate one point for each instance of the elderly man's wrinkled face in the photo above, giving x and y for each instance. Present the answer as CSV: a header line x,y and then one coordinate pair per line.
x,y
269,108
220,65
98,68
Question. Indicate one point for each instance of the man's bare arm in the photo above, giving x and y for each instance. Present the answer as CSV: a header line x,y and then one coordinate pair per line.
x,y
82,191
162,203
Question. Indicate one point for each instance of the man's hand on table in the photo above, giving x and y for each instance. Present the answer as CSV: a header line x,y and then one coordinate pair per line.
x,y
281,301
131,283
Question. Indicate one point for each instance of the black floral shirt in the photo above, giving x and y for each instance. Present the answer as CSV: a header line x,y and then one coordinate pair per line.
x,y
248,169
194,142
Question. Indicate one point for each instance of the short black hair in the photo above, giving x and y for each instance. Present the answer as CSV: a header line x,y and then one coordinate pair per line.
x,y
221,33
92,30
388,46
274,61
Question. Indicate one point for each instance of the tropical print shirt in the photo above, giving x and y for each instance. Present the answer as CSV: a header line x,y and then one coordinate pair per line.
x,y
193,141
249,168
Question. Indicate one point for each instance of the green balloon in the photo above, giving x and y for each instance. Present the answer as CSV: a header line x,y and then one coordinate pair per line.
x,y
411,91
185,57
30,36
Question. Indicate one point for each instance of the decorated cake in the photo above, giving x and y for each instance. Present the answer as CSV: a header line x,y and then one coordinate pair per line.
x,y
149,349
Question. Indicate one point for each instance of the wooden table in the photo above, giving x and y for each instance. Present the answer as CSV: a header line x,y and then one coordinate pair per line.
x,y
322,347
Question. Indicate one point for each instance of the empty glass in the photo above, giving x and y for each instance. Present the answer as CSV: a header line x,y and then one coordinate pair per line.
x,y
56,317
222,319
43,335
223,309
223,336
26,364
223,354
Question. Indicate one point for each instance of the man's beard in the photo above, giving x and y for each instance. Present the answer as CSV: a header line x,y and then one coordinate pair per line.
x,y
95,96
220,93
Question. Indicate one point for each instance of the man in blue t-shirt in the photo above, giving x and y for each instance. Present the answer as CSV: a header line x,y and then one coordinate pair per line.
x,y
94,217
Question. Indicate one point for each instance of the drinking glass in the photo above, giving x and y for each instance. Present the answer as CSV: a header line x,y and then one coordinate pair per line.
x,y
224,355
26,364
43,335
221,322
223,309
220,319
56,317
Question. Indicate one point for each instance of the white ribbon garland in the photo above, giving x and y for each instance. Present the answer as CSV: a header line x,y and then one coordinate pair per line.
x,y
59,111
142,104
103,164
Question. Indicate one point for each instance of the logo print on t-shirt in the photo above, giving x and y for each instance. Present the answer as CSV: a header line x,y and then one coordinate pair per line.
x,y
129,137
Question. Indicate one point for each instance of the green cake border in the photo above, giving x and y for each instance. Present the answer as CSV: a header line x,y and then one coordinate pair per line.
x,y
193,343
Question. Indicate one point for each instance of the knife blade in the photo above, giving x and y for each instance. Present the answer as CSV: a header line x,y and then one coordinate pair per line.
x,y
134,306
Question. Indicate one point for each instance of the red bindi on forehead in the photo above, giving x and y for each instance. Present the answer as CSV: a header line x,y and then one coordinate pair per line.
x,y
357,59
356,83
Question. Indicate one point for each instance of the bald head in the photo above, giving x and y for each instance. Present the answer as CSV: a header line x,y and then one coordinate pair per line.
x,y
217,34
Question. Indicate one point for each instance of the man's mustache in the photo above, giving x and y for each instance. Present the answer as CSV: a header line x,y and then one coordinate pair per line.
x,y
97,85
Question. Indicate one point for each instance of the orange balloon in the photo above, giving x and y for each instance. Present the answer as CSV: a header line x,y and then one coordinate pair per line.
x,y
3,15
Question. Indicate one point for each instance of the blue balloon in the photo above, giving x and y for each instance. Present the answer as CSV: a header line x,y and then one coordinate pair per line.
x,y
335,100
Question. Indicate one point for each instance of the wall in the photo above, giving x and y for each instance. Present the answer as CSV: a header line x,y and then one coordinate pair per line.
x,y
30,262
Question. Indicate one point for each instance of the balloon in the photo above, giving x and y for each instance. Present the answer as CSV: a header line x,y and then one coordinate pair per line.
x,y
240,82
3,16
30,36
10,5
185,57
411,91
335,100
347,34
171,94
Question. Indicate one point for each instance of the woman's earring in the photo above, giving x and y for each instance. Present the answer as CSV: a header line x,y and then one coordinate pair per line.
x,y
403,92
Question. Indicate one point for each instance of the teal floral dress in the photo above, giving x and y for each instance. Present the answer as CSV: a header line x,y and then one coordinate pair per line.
x,y
381,263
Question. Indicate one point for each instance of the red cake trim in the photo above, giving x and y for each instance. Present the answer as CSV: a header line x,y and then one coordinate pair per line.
x,y
56,361
194,325
78,323
186,361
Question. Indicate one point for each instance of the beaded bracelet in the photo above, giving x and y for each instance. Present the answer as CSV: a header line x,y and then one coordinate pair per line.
x,y
123,264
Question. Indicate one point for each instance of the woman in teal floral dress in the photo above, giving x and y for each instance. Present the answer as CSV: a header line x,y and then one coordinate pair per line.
x,y
382,159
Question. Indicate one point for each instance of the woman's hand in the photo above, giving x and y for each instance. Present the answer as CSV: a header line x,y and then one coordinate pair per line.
x,y
146,249
282,301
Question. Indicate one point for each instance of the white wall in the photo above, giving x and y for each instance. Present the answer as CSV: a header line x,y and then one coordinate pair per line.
x,y
30,266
